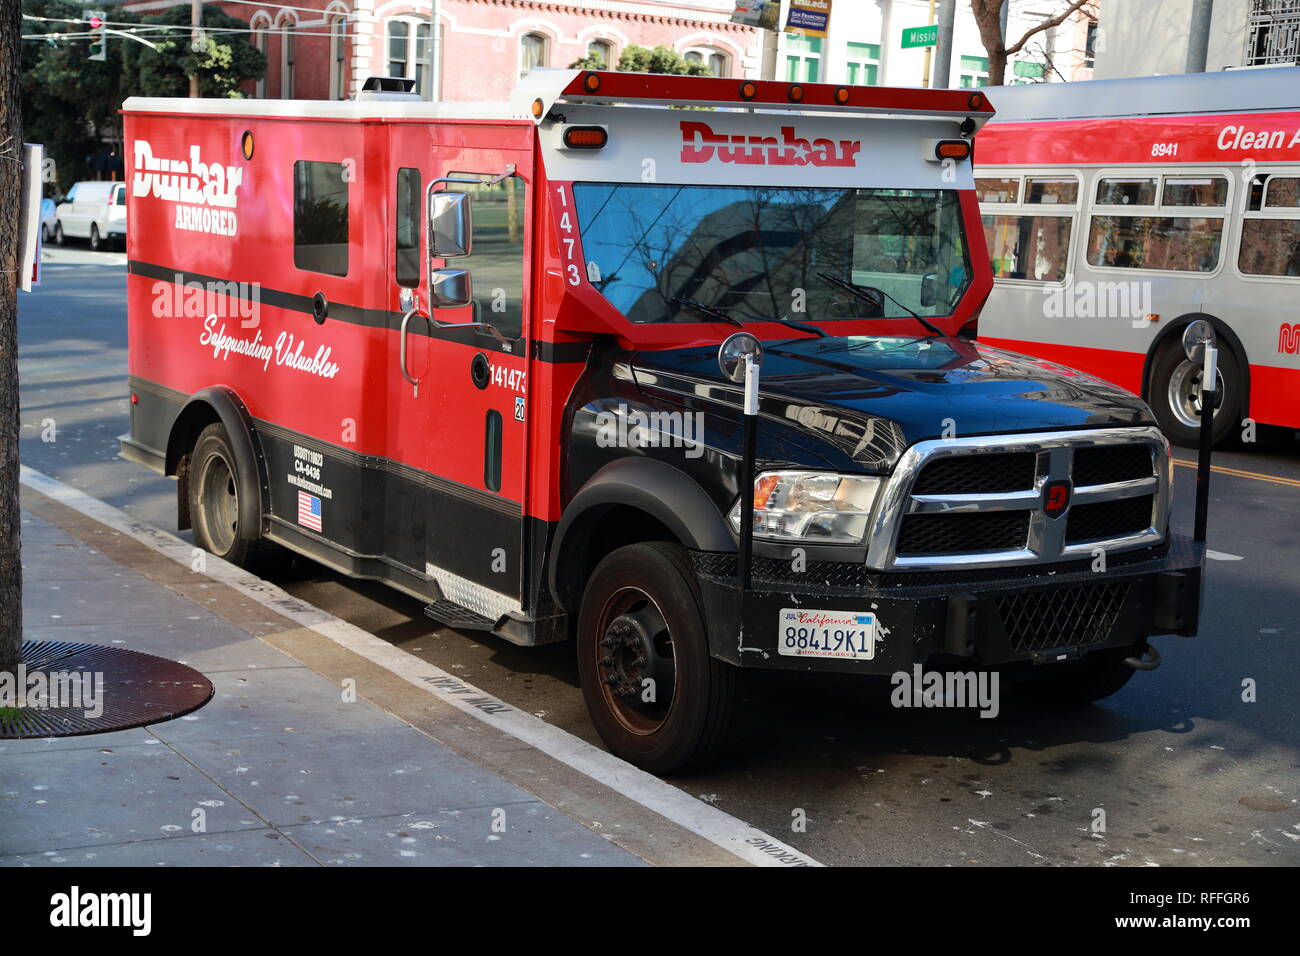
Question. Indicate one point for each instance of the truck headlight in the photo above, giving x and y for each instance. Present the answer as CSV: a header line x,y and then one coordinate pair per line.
x,y
811,506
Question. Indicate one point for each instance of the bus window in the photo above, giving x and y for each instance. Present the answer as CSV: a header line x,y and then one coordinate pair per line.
x,y
407,258
320,217
1195,191
1126,192
497,261
1063,192
998,190
1283,192
1182,244
1028,247
1271,246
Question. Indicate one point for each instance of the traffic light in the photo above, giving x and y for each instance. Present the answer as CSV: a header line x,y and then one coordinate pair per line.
x,y
98,44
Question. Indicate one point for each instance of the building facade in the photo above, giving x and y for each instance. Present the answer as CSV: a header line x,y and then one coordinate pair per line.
x,y
1149,38
325,49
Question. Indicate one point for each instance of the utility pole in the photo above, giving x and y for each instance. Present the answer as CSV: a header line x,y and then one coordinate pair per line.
x,y
11,177
196,22
1198,37
943,56
929,51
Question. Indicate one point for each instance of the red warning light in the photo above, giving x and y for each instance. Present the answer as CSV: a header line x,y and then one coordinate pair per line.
x,y
96,22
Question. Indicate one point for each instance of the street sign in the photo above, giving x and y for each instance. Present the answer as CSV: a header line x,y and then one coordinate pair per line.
x,y
921,36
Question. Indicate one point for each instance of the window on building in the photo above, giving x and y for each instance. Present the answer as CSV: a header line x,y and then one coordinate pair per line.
x,y
974,71
863,64
286,62
496,263
320,217
1090,45
259,43
408,52
1272,32
1024,71
533,52
1270,235
338,58
407,244
803,58
719,63
602,52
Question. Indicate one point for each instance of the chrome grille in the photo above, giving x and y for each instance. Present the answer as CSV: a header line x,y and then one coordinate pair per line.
x,y
970,502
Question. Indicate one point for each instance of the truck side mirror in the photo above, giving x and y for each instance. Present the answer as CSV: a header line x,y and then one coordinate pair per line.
x,y
451,226
450,288
929,289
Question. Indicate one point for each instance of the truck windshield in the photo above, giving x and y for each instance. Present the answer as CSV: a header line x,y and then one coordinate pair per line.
x,y
659,253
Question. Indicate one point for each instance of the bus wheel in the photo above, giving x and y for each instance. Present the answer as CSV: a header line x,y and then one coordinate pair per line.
x,y
656,697
214,500
1175,396
1096,676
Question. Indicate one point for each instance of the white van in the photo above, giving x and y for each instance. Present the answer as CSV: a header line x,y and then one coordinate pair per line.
x,y
94,211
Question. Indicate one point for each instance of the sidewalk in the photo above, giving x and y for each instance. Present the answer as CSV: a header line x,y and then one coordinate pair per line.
x,y
277,769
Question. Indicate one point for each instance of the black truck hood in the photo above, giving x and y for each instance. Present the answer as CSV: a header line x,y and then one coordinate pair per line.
x,y
872,397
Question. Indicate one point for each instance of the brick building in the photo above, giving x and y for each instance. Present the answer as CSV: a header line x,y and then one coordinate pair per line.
x,y
324,49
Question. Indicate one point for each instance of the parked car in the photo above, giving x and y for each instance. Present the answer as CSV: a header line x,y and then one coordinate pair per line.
x,y
95,211
49,216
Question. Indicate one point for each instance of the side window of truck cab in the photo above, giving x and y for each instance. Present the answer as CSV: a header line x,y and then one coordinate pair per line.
x,y
320,217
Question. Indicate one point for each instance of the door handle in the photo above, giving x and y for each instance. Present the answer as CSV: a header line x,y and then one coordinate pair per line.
x,y
406,319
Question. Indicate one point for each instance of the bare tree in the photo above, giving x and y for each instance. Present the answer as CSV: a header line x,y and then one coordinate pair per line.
x,y
988,18
11,171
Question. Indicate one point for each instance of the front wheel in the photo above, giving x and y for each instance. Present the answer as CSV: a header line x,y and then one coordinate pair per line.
x,y
95,242
59,239
1175,396
656,697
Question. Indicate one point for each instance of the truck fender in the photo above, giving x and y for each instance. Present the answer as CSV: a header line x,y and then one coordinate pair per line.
x,y
1173,332
668,495
220,403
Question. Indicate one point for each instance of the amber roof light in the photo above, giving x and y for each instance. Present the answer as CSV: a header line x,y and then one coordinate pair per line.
x,y
748,91
591,82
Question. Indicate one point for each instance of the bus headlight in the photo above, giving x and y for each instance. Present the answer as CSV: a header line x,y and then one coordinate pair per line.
x,y
814,507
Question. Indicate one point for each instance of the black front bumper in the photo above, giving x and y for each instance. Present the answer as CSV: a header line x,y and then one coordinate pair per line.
x,y
1005,616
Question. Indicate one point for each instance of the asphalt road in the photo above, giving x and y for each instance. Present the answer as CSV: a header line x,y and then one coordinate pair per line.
x,y
1185,771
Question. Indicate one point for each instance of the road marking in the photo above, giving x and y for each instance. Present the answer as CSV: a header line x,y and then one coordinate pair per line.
x,y
1238,473
718,827
1222,556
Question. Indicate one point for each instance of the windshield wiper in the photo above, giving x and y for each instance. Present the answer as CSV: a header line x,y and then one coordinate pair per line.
x,y
722,314
706,309
870,292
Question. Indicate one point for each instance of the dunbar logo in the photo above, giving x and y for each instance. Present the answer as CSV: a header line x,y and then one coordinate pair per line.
x,y
204,193
700,144
1288,339
1056,497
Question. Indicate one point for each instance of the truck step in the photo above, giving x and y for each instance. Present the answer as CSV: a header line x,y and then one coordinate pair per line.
x,y
453,615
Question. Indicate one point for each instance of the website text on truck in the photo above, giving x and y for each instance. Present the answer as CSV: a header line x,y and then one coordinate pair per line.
x,y
484,368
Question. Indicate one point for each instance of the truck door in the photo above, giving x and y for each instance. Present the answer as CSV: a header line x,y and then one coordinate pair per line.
x,y
471,399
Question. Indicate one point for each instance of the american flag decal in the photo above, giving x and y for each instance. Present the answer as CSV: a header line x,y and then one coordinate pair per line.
x,y
308,511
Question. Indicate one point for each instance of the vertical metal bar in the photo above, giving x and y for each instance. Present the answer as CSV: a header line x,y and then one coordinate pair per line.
x,y
1209,374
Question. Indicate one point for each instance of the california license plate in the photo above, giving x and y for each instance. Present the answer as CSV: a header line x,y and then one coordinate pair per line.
x,y
807,632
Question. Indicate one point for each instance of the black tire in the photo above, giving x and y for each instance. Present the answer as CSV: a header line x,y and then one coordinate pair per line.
x,y
214,496
620,642
1174,396
45,234
59,239
1096,676
95,242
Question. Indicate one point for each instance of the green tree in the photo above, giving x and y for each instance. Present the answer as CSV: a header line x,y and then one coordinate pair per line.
x,y
225,61
639,59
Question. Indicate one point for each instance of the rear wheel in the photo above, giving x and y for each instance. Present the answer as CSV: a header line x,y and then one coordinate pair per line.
x,y
215,493
1176,397
95,242
45,233
1096,676
656,697
58,234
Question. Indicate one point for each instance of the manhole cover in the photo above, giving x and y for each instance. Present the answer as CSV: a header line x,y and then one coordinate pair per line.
x,y
136,689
